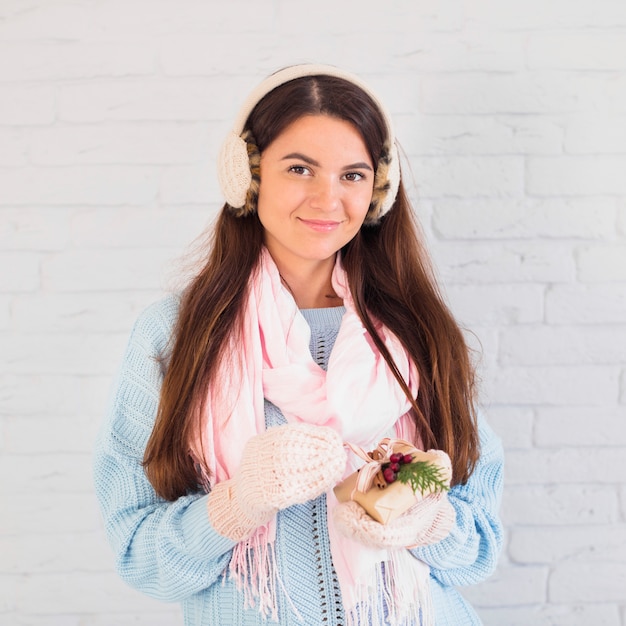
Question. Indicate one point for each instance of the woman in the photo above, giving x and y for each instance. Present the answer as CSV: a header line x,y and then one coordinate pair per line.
x,y
314,322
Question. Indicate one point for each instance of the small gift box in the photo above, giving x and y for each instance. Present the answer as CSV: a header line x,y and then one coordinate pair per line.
x,y
396,476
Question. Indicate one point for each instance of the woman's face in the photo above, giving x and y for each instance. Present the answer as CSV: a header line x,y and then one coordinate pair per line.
x,y
316,186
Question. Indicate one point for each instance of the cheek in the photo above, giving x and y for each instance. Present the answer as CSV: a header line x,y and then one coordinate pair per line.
x,y
362,204
280,201
269,199
367,193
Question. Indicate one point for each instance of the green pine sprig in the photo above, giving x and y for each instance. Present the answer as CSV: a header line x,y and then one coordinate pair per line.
x,y
423,476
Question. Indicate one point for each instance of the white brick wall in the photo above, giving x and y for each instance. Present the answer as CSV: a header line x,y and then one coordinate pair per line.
x,y
513,119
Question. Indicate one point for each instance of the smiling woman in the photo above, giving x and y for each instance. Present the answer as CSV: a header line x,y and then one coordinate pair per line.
x,y
314,323
316,188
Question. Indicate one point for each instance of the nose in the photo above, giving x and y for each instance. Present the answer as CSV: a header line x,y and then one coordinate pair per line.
x,y
326,194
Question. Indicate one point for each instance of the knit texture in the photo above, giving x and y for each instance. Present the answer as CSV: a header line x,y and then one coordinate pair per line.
x,y
427,522
283,466
171,551
229,514
233,170
290,464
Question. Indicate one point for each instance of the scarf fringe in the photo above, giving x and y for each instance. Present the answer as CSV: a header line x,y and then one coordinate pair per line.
x,y
395,593
254,571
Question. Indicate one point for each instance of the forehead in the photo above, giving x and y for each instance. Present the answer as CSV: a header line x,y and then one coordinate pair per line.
x,y
321,133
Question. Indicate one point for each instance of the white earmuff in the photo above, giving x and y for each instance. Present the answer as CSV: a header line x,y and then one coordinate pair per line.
x,y
234,170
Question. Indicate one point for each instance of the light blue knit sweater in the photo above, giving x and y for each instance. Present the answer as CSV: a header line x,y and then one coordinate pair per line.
x,y
170,551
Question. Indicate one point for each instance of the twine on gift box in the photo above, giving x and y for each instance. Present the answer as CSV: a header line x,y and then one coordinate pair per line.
x,y
371,472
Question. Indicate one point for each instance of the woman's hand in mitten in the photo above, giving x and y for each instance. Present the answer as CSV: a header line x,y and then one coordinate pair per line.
x,y
286,465
426,522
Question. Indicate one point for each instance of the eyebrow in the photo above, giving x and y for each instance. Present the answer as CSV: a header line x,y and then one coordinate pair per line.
x,y
302,157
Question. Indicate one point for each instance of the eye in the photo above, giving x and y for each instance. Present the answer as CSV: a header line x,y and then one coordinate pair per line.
x,y
354,176
301,170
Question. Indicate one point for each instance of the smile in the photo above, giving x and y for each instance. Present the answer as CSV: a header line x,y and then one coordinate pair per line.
x,y
322,226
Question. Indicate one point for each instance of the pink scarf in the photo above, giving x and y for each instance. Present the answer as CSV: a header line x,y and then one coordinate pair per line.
x,y
357,395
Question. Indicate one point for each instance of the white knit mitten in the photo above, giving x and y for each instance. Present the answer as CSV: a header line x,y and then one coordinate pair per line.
x,y
286,465
426,522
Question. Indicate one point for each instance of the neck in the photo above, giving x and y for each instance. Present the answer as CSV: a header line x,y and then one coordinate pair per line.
x,y
311,285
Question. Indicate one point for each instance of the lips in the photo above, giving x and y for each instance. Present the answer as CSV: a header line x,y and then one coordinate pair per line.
x,y
322,226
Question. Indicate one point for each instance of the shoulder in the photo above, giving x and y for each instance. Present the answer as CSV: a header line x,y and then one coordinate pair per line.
x,y
159,313
134,396
154,326
490,443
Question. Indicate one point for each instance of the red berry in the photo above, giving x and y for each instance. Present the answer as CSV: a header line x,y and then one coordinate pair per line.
x,y
394,466
389,475
407,458
395,458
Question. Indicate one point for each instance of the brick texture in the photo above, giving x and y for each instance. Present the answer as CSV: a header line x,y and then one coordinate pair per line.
x,y
512,119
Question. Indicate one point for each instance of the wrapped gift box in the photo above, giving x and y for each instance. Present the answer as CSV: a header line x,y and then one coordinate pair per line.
x,y
384,501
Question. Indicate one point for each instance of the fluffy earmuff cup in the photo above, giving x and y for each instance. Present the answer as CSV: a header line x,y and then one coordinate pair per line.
x,y
233,171
393,176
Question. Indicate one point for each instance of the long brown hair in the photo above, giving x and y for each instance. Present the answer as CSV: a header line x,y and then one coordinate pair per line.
x,y
390,280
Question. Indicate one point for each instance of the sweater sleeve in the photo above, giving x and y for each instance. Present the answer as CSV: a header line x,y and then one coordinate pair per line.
x,y
470,552
166,549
